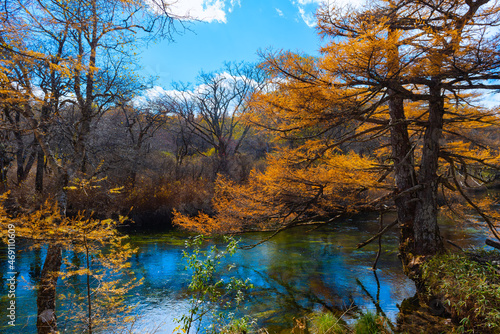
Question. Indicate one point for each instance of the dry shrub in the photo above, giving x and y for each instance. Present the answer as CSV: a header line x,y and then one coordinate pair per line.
x,y
24,197
152,200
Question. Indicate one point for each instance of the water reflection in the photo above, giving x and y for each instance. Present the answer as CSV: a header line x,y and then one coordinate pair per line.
x,y
298,271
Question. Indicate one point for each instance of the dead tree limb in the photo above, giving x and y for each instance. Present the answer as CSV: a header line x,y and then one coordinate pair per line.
x,y
492,243
363,244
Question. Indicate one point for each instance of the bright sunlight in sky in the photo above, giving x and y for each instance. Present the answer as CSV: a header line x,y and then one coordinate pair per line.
x,y
231,30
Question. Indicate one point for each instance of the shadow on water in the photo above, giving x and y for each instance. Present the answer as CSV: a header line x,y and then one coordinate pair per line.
x,y
299,271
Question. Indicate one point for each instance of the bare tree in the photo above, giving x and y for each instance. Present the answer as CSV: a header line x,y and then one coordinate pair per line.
x,y
214,110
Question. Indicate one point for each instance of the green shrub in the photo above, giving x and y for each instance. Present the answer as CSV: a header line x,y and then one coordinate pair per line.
x,y
239,326
208,289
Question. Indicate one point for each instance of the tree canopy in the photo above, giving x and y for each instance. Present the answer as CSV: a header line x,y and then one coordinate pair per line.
x,y
388,116
66,62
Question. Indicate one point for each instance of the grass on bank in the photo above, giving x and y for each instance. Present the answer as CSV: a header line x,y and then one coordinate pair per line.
x,y
328,323
318,323
469,285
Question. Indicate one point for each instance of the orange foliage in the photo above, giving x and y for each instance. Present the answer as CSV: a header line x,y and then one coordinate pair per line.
x,y
392,51
290,189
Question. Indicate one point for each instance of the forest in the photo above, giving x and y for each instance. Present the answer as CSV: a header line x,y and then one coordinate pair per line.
x,y
392,121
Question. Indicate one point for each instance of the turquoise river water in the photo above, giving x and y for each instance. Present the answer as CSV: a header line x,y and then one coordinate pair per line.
x,y
299,271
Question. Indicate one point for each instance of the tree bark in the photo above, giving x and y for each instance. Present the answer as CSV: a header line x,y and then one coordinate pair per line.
x,y
40,164
402,155
404,173
427,237
4,167
46,320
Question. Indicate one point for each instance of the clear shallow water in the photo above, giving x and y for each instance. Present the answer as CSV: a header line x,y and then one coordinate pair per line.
x,y
298,271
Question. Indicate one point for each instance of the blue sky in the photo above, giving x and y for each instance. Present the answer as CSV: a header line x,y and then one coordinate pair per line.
x,y
234,30
230,30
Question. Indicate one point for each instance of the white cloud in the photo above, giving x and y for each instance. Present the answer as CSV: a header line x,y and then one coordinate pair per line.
x,y
331,2
233,4
307,8
308,17
491,100
308,2
280,12
203,10
224,79
153,94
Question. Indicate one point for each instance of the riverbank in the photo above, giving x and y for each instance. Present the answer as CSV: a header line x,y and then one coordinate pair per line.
x,y
461,294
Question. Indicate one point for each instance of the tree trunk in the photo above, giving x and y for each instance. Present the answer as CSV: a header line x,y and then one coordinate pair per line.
x,y
40,164
402,155
81,144
404,173
417,209
4,167
222,158
46,301
427,237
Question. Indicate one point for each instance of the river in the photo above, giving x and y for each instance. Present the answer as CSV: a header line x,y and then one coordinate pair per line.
x,y
299,271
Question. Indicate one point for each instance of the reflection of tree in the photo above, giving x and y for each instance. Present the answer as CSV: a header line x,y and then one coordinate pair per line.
x,y
294,297
376,300
36,266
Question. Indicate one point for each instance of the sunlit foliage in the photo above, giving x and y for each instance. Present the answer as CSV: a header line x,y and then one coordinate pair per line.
x,y
390,107
103,270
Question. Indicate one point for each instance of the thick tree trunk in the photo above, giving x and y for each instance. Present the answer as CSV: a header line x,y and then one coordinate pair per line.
x,y
427,238
418,209
415,198
403,161
222,158
46,301
402,151
404,173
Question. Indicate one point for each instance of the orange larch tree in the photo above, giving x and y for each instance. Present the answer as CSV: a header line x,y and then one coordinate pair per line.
x,y
398,84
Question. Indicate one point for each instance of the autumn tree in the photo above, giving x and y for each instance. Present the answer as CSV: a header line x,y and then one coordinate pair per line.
x,y
105,256
417,60
69,48
404,75
94,39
